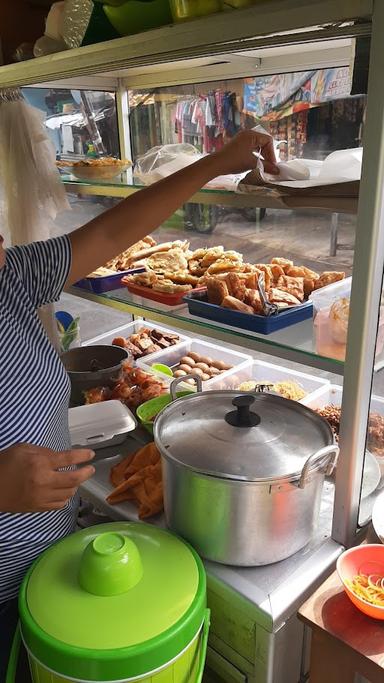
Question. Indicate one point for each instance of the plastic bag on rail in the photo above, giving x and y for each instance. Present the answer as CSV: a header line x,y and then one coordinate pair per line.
x,y
32,190
160,162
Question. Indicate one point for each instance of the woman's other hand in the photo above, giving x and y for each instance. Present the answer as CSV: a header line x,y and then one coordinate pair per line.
x,y
31,478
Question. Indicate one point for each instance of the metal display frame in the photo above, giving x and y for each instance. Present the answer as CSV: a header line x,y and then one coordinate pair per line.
x,y
175,52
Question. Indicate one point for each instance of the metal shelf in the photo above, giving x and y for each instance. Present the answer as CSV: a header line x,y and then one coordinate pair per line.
x,y
257,26
293,343
221,197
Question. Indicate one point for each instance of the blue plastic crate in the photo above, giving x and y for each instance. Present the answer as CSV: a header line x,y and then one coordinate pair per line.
x,y
198,305
106,283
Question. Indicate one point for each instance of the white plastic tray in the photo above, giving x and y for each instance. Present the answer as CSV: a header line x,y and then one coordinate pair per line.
x,y
100,425
277,373
132,328
373,467
326,296
229,379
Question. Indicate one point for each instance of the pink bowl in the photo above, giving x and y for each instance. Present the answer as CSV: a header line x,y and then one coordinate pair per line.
x,y
364,559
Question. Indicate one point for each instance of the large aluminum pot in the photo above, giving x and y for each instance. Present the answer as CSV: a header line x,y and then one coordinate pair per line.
x,y
243,474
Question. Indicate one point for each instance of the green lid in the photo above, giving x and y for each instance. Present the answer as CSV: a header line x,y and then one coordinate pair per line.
x,y
113,602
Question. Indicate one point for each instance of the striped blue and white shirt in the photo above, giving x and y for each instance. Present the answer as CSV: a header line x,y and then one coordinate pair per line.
x,y
34,394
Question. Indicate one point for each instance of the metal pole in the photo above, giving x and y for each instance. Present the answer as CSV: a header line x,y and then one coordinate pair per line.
x,y
334,233
91,123
365,301
122,108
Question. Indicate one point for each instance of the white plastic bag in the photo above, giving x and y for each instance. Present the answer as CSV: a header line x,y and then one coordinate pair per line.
x,y
344,164
160,162
31,192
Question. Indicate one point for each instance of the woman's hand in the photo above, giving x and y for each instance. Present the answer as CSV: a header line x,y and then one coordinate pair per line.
x,y
30,480
238,154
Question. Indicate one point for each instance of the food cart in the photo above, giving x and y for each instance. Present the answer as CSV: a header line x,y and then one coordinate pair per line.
x,y
255,635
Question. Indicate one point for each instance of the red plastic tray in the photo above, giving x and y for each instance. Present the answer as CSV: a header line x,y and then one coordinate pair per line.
x,y
161,297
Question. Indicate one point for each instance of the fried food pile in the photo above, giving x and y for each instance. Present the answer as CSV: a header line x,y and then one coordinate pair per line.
x,y
171,267
285,285
138,478
133,388
375,441
181,270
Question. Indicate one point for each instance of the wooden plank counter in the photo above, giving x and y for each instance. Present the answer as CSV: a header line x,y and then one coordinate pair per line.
x,y
344,641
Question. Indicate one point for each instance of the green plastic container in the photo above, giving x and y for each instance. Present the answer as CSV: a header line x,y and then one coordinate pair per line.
x,y
241,3
134,16
115,603
153,407
183,10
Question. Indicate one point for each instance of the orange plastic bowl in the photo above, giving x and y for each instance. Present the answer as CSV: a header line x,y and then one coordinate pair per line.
x,y
364,559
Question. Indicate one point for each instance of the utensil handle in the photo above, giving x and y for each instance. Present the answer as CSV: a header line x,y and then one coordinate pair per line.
x,y
322,459
14,656
179,380
204,645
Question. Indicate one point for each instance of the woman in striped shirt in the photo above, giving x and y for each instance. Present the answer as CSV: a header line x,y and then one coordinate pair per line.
x,y
38,501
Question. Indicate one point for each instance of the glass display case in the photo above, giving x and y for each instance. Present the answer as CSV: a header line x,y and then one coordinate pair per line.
x,y
308,85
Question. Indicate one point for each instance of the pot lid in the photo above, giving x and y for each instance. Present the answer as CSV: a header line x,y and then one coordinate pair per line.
x,y
104,603
250,437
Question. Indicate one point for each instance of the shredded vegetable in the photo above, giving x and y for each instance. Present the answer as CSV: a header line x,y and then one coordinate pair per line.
x,y
368,587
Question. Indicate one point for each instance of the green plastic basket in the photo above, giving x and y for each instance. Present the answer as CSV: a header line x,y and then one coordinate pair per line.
x,y
151,408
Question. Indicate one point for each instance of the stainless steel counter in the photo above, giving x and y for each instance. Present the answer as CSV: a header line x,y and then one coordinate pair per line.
x,y
276,590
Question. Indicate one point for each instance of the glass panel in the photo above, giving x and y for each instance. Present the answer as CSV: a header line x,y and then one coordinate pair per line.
x,y
373,477
81,123
259,235
310,112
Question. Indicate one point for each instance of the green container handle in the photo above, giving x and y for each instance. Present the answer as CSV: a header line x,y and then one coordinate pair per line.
x,y
204,645
15,651
14,656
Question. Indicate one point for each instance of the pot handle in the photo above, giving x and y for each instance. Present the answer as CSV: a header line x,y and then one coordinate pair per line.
x,y
322,459
179,380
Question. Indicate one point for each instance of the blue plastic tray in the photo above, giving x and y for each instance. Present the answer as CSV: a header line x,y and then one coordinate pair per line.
x,y
99,285
198,305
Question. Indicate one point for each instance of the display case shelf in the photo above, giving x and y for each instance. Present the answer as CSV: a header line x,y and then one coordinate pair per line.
x,y
124,188
257,26
294,343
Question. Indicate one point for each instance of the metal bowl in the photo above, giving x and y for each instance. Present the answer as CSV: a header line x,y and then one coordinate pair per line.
x,y
92,366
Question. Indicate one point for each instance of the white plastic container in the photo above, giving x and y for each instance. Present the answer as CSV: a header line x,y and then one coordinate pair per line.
x,y
100,425
330,335
229,379
332,395
312,386
133,328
